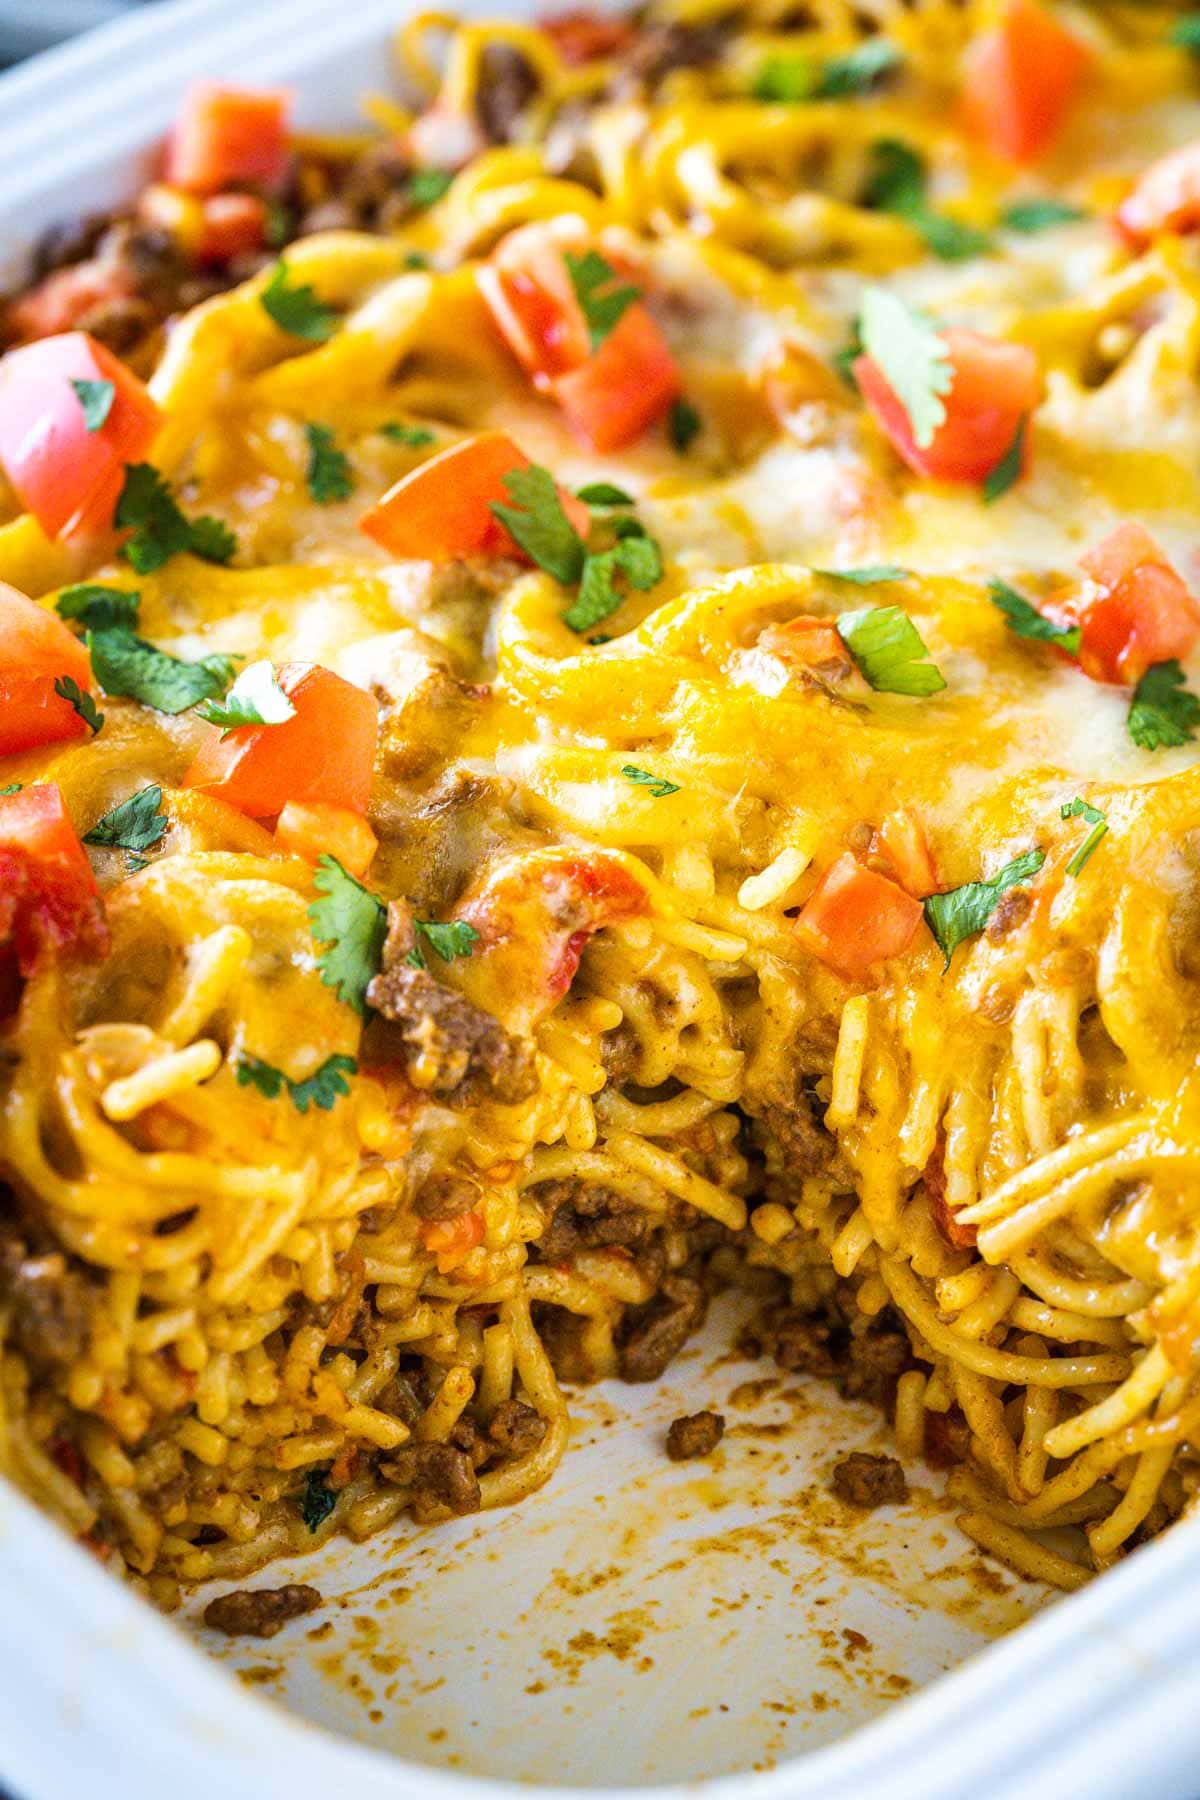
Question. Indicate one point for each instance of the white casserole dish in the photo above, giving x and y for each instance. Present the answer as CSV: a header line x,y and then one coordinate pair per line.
x,y
635,1623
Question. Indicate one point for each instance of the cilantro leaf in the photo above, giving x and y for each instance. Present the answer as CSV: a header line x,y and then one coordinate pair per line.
x,y
844,359
795,78
1185,33
317,1499
352,922
603,300
96,398
683,424
67,688
889,651
858,70
328,474
1009,469
127,665
426,186
160,529
1076,809
866,577
638,558
255,698
414,436
1163,712
910,354
964,911
325,1086
137,824
211,540
897,185
98,608
14,787
658,785
295,307
1027,622
1029,216
447,940
537,521
603,493
415,259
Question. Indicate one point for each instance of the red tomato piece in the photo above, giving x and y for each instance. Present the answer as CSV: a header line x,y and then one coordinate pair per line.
x,y
902,839
36,650
625,386
48,897
59,302
1140,611
1166,197
854,919
994,386
609,395
582,37
441,511
228,135
311,831
958,1237
528,291
323,755
1019,80
452,1240
806,643
206,230
67,476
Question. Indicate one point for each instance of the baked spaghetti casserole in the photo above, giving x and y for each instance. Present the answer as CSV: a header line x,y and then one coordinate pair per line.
x,y
598,700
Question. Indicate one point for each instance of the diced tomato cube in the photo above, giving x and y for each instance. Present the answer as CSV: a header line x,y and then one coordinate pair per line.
x,y
1019,80
62,299
211,230
994,387
324,754
624,387
36,650
452,1240
441,511
48,896
902,839
1140,611
582,37
855,919
226,136
69,477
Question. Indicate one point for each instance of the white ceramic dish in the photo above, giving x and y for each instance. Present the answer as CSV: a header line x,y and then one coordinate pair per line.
x,y
637,1622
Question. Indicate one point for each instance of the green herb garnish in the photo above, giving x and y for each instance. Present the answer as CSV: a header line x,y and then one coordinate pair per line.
x,y
964,911
351,922
448,940
295,308
99,608
911,355
255,698
1008,470
795,78
1185,33
67,688
603,298
1029,216
603,493
870,576
128,666
322,1089
657,785
160,530
637,558
889,651
1076,809
897,185
1163,713
540,526
328,473
96,398
683,424
1027,622
414,437
426,186
137,824
316,1500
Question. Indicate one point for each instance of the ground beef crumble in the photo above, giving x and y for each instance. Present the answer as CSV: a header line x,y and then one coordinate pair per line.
x,y
694,1434
868,1481
260,1612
